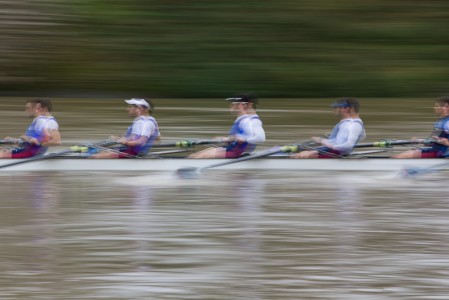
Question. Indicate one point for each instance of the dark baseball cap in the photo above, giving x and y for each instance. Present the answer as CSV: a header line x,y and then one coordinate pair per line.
x,y
346,102
244,98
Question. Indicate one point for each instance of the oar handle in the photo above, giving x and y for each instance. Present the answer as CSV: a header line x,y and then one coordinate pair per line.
x,y
305,145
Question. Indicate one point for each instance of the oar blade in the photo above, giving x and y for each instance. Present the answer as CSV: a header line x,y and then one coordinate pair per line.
x,y
410,172
416,171
188,173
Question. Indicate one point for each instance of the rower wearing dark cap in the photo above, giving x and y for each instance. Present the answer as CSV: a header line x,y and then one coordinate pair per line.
x,y
258,133
245,133
343,137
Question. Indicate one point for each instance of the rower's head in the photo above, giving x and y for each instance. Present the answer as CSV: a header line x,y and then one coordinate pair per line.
x,y
36,107
441,106
347,104
245,101
139,106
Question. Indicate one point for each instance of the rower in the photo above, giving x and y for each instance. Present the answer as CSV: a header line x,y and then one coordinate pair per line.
x,y
439,143
258,133
245,133
141,134
348,132
42,132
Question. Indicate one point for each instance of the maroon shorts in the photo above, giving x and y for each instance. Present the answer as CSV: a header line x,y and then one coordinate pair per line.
x,y
235,149
326,152
431,153
25,152
127,152
234,153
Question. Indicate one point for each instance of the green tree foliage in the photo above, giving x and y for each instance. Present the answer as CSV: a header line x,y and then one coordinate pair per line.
x,y
282,48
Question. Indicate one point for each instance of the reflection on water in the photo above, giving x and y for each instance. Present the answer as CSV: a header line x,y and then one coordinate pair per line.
x,y
224,235
227,236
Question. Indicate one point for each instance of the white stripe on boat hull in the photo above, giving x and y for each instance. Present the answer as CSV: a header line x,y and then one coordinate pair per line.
x,y
364,164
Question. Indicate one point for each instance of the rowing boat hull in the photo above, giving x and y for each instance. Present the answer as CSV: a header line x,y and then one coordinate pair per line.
x,y
172,164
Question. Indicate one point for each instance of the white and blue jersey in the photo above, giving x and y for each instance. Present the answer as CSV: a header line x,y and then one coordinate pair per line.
x,y
240,129
143,126
257,136
258,133
441,130
346,134
40,129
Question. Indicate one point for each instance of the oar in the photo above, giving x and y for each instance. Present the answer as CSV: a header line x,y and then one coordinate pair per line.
x,y
40,157
187,143
11,141
358,153
106,149
389,144
192,172
159,153
73,149
410,172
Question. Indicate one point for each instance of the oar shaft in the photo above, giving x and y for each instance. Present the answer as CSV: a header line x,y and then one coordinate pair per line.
x,y
55,154
10,141
35,158
270,151
388,144
187,172
187,143
159,153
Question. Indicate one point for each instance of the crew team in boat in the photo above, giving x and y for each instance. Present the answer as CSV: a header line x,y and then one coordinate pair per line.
x,y
246,133
42,132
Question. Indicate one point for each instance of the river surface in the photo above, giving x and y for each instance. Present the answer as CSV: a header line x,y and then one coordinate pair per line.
x,y
224,235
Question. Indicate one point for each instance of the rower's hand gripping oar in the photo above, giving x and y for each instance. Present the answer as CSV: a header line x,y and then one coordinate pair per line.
x,y
192,172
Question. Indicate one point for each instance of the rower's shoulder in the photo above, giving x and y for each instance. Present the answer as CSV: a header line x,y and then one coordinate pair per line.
x,y
353,120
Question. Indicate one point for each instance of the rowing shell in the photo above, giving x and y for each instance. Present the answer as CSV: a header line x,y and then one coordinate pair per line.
x,y
262,164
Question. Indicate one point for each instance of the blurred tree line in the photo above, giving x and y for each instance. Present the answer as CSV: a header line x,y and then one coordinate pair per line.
x,y
199,48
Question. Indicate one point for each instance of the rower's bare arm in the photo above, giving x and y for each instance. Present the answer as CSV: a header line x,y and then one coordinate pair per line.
x,y
321,141
29,139
134,141
54,138
441,141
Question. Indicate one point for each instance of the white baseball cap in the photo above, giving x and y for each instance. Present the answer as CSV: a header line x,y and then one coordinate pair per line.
x,y
138,102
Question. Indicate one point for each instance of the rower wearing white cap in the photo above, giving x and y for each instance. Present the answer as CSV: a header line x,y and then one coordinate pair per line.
x,y
141,134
